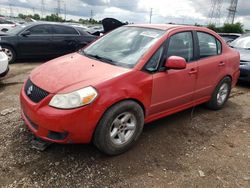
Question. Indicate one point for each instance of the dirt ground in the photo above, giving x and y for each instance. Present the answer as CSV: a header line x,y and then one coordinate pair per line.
x,y
193,148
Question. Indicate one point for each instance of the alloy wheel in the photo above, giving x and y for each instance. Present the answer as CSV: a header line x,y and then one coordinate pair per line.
x,y
222,93
123,128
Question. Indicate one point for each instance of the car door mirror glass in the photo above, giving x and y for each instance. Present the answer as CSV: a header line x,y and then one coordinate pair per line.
x,y
175,62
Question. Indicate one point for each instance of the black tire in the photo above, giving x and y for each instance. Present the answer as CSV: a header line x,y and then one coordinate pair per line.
x,y
12,51
214,104
102,136
5,73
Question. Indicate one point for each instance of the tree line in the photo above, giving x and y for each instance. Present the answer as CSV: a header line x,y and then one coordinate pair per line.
x,y
57,18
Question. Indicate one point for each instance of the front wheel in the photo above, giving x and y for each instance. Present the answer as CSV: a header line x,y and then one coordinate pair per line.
x,y
220,94
119,128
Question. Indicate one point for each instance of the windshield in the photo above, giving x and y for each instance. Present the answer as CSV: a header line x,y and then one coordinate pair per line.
x,y
123,46
16,29
242,42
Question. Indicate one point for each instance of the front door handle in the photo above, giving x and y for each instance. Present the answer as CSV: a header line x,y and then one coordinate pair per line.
x,y
193,71
221,64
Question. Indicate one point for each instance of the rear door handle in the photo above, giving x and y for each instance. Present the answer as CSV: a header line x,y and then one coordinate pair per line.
x,y
193,71
221,64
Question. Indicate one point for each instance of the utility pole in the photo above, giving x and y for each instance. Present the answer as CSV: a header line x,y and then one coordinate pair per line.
x,y
65,11
150,15
91,15
215,12
42,8
58,7
232,11
11,10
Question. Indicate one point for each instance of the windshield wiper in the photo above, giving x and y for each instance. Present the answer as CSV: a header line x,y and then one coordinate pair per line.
x,y
95,56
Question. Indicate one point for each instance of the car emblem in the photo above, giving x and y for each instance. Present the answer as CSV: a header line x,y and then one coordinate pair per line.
x,y
29,90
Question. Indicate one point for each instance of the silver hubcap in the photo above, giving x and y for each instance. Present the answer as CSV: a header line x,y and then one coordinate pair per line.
x,y
123,128
8,53
222,94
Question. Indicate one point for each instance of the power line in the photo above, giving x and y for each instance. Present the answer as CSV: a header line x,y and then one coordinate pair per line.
x,y
232,11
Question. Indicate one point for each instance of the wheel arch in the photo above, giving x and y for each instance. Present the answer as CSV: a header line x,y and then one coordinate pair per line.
x,y
129,99
9,45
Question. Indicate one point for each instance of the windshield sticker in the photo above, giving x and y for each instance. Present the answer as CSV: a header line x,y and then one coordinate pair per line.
x,y
150,34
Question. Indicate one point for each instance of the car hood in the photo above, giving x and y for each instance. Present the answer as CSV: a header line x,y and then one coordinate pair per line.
x,y
244,55
72,72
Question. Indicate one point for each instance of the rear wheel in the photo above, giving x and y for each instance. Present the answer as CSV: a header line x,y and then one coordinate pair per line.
x,y
119,128
10,53
220,94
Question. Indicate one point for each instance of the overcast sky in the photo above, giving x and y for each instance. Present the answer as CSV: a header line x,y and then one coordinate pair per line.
x,y
137,11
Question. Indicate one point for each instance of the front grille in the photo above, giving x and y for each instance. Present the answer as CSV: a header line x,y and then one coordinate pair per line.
x,y
34,93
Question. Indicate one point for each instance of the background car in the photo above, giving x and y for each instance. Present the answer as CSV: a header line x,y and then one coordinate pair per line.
x,y
4,65
6,25
43,39
229,37
242,44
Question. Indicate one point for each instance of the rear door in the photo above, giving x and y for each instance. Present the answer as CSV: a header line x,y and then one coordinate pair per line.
x,y
211,64
173,89
65,39
37,43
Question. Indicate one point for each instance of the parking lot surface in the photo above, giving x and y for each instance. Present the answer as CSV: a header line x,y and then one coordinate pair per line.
x,y
193,148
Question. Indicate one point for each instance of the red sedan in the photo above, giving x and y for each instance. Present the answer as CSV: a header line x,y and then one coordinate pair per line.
x,y
131,76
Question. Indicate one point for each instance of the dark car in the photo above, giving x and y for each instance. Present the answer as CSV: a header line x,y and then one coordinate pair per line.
x,y
41,39
242,44
229,37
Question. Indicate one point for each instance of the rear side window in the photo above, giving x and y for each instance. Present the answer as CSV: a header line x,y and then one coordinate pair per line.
x,y
40,30
64,30
181,44
208,44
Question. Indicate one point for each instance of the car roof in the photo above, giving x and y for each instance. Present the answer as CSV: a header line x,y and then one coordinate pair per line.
x,y
44,22
163,26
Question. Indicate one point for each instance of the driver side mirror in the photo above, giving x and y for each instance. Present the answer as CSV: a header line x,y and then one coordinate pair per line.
x,y
175,62
26,33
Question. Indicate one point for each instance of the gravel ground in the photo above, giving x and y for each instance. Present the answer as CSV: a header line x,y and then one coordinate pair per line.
x,y
193,148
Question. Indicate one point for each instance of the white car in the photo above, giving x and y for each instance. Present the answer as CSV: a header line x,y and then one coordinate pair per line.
x,y
4,64
6,25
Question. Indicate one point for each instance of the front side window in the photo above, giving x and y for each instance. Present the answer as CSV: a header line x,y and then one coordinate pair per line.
x,y
40,30
181,44
124,46
209,45
154,61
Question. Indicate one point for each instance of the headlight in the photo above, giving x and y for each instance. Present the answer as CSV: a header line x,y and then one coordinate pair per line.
x,y
75,99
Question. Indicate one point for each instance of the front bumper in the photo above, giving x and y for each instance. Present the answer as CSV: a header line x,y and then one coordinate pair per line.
x,y
245,73
4,64
56,125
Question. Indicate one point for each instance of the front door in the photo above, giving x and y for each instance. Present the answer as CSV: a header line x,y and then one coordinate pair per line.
x,y
175,88
37,43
